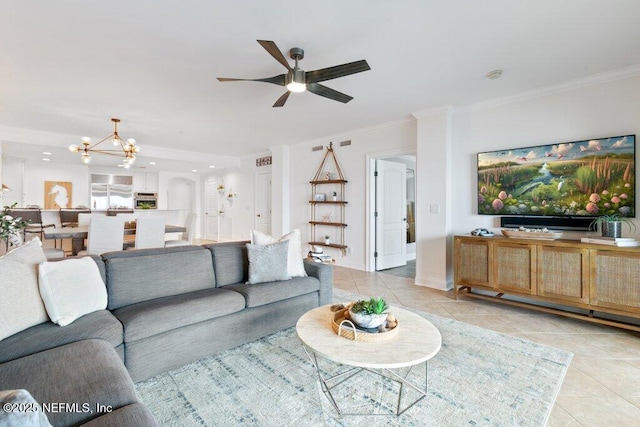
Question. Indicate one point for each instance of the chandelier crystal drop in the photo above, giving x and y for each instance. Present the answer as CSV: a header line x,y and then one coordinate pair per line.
x,y
128,148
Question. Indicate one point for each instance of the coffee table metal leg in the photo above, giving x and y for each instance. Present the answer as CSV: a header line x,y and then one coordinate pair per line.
x,y
326,388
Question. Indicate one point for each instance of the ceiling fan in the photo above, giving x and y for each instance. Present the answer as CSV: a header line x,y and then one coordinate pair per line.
x,y
298,80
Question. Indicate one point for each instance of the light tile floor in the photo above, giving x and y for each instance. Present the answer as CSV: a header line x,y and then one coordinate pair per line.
x,y
602,385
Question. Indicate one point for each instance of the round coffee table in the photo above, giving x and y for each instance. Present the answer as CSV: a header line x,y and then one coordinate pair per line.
x,y
416,342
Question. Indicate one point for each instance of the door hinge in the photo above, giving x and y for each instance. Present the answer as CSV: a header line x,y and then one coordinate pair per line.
x,y
375,214
375,173
375,254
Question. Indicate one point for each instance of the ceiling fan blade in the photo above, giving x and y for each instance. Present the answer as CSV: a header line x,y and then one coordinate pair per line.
x,y
277,80
273,50
336,71
327,92
280,102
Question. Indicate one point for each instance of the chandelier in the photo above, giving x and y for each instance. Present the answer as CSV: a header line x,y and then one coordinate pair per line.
x,y
128,148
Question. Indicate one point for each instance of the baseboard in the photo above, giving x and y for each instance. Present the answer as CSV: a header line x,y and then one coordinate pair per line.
x,y
434,283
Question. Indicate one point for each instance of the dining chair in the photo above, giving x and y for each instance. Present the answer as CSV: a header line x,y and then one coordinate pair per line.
x,y
187,236
105,235
34,217
149,232
69,217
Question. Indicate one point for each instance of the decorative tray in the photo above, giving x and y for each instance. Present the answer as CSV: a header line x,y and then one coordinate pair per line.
x,y
531,233
347,329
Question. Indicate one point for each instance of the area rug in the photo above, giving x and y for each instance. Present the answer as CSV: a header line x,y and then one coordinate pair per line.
x,y
479,377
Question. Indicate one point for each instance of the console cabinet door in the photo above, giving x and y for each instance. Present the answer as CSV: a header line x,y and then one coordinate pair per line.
x,y
563,273
615,276
514,266
473,260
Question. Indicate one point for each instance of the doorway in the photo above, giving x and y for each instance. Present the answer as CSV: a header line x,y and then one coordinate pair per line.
x,y
262,221
391,214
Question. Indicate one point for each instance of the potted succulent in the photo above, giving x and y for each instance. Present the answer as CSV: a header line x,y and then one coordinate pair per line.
x,y
611,225
369,313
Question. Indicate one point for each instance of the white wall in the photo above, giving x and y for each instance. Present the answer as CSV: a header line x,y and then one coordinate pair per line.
x,y
352,160
607,109
241,213
165,180
26,178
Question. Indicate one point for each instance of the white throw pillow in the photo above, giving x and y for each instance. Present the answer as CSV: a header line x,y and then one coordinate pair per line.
x,y
20,304
295,265
71,288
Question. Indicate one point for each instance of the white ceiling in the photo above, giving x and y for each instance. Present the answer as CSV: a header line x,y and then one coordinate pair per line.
x,y
68,66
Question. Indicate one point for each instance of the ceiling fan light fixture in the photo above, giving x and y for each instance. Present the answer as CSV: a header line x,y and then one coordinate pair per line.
x,y
296,80
296,87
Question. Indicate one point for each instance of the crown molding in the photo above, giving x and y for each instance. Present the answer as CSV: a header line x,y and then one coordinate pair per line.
x,y
357,132
435,111
593,80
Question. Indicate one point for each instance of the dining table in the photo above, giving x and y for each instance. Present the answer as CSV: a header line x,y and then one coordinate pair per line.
x,y
79,233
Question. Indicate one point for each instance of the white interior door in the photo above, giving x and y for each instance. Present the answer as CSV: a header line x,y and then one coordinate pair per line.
x,y
263,202
211,211
391,215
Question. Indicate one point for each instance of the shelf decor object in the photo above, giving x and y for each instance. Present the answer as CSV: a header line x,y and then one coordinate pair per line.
x,y
537,234
328,214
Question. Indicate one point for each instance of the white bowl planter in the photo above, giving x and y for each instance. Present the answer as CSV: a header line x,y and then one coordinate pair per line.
x,y
368,320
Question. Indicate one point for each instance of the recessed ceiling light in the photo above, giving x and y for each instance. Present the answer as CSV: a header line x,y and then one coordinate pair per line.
x,y
211,167
495,74
194,170
46,153
152,163
120,165
44,159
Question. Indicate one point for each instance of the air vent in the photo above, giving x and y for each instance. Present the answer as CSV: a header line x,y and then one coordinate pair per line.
x,y
345,143
317,148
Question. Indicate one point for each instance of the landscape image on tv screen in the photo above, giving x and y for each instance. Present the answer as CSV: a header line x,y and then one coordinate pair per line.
x,y
583,178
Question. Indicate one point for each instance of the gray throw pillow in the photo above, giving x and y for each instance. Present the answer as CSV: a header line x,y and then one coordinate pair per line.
x,y
268,263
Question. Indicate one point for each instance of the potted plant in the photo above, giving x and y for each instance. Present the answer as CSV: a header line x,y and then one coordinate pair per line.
x,y
327,240
11,227
369,313
611,225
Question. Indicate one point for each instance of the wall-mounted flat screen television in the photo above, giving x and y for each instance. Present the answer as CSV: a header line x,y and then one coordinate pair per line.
x,y
587,178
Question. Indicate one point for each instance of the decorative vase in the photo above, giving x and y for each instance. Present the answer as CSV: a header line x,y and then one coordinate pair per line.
x,y
368,321
327,241
611,229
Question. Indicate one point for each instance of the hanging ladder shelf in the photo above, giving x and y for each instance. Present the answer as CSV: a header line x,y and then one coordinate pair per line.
x,y
333,207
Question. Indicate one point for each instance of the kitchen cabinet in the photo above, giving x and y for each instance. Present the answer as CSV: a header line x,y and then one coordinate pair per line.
x,y
145,182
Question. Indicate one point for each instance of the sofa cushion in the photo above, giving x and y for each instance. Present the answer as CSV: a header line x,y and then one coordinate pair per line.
x,y
153,317
265,293
71,288
147,274
84,372
230,262
33,416
100,324
268,263
295,267
20,304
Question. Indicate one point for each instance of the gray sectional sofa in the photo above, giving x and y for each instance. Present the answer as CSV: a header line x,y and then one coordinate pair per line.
x,y
166,307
